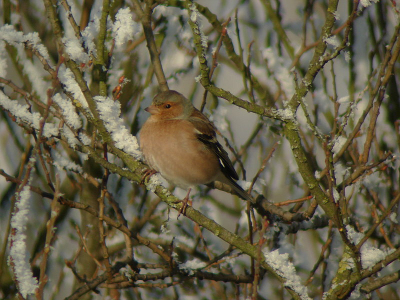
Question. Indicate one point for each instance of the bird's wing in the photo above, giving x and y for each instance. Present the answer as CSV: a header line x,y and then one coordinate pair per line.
x,y
205,132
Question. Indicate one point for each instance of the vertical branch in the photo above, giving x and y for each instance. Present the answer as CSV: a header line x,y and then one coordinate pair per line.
x,y
101,65
50,234
385,73
145,17
278,27
86,9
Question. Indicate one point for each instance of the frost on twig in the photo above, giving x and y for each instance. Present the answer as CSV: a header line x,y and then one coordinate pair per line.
x,y
27,283
109,113
285,268
22,113
124,28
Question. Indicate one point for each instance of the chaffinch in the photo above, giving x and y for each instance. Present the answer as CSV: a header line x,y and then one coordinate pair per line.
x,y
180,143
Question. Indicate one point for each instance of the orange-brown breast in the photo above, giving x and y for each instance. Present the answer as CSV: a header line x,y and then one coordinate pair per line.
x,y
171,147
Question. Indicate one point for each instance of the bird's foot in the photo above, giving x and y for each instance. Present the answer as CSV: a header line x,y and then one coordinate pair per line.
x,y
147,174
184,205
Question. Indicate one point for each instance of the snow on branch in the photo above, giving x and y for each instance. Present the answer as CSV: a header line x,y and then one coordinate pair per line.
x,y
124,28
68,110
14,37
22,114
27,283
109,112
67,78
282,265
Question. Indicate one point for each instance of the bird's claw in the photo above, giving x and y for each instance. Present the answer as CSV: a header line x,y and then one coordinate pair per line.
x,y
183,208
184,205
147,174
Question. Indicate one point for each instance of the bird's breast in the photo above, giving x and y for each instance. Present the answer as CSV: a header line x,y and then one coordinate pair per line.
x,y
172,148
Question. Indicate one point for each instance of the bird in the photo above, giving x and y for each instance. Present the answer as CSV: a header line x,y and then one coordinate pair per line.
x,y
180,143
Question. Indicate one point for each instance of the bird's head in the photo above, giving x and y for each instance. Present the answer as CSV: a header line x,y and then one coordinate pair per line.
x,y
170,105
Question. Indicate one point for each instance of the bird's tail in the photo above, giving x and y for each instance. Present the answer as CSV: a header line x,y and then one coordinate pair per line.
x,y
241,192
237,188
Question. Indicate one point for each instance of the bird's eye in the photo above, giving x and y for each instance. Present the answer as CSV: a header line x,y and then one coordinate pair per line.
x,y
167,105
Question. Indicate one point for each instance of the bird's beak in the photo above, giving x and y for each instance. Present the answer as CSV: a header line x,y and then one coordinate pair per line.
x,y
152,109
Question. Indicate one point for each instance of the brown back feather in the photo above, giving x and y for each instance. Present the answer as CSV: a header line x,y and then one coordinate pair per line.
x,y
207,136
